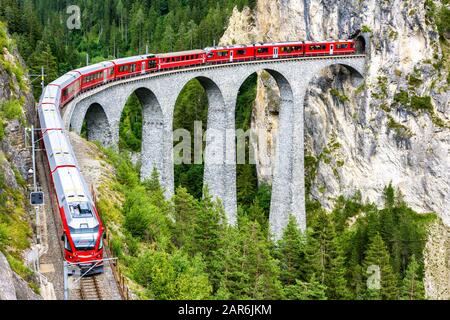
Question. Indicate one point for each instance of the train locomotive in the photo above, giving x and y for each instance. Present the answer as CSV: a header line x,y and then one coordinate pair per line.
x,y
83,231
82,228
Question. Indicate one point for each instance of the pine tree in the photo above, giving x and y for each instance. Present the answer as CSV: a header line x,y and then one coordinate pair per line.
x,y
185,210
311,290
377,258
412,286
248,271
324,257
335,275
291,253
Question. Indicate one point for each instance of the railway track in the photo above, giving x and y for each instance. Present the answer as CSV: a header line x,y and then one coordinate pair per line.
x,y
90,288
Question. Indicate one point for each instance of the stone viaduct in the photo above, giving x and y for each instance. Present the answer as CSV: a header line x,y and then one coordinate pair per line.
x,y
102,108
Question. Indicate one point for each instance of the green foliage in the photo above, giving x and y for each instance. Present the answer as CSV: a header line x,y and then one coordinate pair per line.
x,y
399,129
412,286
421,103
366,29
414,81
191,106
402,97
378,256
12,109
247,269
166,243
245,100
172,276
311,290
340,96
130,129
443,21
291,254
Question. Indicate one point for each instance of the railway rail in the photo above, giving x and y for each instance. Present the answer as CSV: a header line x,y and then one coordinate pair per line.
x,y
90,288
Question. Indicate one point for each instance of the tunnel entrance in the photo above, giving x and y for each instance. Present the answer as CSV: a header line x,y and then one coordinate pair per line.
x,y
360,45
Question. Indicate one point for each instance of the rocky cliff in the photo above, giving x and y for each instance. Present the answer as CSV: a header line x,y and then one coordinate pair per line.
x,y
16,112
394,128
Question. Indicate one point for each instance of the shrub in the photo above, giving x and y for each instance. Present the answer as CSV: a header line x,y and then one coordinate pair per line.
x,y
402,97
421,103
12,109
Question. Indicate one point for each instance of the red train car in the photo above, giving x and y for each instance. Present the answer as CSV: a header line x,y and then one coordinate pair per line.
x,y
329,48
69,85
131,66
181,59
230,53
96,74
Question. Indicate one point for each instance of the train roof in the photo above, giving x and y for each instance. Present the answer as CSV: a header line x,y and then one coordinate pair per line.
x,y
70,185
237,46
328,41
129,59
95,67
51,94
49,117
66,79
59,151
180,53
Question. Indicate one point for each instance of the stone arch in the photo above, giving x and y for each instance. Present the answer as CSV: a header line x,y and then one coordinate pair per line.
x,y
283,158
214,156
322,108
154,135
98,126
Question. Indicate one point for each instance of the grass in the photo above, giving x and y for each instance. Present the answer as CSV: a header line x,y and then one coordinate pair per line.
x,y
400,130
341,97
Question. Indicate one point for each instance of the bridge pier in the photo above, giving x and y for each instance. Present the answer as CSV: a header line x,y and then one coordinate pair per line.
x,y
220,152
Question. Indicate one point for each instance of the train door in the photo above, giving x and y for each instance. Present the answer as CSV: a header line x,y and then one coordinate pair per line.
x,y
143,67
275,52
105,75
331,49
231,55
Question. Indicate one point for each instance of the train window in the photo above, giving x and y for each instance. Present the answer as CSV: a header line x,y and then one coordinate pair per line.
x,y
342,46
324,46
111,71
263,50
133,67
222,53
151,64
65,92
299,48
210,55
241,52
67,244
316,47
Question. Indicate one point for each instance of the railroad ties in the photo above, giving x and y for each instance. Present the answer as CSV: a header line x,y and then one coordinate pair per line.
x,y
90,288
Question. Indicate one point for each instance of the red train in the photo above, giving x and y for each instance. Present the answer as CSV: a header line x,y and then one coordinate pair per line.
x,y
91,76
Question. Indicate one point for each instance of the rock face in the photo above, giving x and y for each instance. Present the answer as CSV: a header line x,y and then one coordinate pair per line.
x,y
12,287
15,160
437,262
362,138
